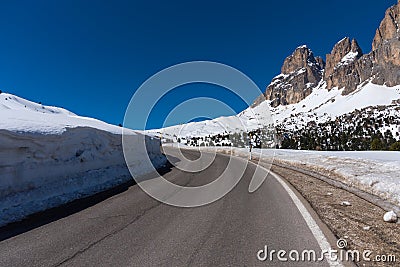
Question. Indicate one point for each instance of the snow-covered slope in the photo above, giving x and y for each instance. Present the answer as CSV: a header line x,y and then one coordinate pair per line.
x,y
20,115
321,105
50,156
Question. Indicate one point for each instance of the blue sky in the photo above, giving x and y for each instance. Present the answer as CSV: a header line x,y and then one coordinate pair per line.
x,y
91,56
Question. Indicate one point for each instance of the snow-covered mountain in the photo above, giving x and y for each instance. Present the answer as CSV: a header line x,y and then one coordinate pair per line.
x,y
310,91
50,156
321,105
21,115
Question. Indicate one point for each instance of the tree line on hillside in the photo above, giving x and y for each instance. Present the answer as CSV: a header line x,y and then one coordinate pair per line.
x,y
359,130
372,128
259,138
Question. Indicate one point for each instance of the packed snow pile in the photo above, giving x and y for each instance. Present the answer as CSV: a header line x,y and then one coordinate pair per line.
x,y
375,172
50,156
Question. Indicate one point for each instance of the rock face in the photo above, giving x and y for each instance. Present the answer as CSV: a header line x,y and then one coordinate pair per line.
x,y
320,62
386,49
346,67
389,27
386,61
301,71
340,70
343,53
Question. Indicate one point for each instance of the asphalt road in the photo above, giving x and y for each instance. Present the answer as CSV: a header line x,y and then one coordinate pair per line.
x,y
132,229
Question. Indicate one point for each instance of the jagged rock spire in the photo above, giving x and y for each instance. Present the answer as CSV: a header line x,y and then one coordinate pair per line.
x,y
301,58
301,71
340,53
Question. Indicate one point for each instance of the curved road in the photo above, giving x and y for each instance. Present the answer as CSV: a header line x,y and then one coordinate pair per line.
x,y
132,229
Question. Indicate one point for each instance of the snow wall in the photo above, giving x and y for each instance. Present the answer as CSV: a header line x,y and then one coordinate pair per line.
x,y
40,171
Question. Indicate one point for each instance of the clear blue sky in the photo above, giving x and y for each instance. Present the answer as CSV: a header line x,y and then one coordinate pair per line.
x,y
90,56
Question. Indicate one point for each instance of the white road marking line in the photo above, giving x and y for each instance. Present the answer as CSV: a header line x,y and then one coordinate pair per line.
x,y
311,223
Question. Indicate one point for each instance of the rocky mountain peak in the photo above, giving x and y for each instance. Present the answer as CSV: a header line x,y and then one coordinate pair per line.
x,y
389,27
343,53
301,58
346,66
355,47
300,72
342,69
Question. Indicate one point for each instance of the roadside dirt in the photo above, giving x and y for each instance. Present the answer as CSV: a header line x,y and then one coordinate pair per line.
x,y
360,224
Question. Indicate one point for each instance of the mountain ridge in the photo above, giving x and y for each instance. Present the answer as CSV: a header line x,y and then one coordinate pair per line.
x,y
346,65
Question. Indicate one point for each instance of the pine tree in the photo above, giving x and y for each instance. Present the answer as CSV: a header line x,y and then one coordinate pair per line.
x,y
395,146
376,144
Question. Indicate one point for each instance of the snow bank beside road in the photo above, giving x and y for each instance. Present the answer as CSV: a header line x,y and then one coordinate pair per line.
x,y
375,172
50,156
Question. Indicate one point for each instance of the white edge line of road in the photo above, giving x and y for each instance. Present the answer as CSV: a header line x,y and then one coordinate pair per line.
x,y
311,223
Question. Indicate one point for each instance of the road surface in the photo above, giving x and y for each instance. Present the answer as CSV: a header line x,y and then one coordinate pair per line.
x,y
132,229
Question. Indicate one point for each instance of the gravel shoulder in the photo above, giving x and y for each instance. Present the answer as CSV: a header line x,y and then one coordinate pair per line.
x,y
360,223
